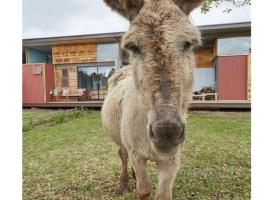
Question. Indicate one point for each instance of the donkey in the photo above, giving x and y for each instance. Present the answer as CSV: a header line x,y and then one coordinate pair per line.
x,y
145,110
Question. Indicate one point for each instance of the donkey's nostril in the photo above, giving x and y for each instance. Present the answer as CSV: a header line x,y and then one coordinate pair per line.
x,y
165,130
152,135
182,135
166,134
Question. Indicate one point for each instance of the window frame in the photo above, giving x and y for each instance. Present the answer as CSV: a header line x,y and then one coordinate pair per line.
x,y
230,54
64,78
109,43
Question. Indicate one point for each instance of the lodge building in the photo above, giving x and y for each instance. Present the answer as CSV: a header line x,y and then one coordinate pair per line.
x,y
72,69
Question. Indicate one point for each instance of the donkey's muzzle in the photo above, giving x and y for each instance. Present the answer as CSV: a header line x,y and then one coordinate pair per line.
x,y
166,134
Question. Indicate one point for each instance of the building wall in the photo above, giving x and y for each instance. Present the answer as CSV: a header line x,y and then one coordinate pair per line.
x,y
204,58
49,81
249,77
72,78
204,72
74,53
36,87
33,84
232,77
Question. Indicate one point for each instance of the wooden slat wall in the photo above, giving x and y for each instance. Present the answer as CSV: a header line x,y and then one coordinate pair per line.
x,y
74,53
204,58
72,78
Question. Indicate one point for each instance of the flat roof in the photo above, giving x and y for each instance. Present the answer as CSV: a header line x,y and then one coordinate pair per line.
x,y
209,32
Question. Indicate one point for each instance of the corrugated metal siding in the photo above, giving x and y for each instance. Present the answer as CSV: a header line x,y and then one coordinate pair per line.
x,y
232,77
49,79
33,84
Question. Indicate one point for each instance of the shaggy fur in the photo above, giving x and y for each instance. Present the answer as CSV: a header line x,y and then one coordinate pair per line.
x,y
157,85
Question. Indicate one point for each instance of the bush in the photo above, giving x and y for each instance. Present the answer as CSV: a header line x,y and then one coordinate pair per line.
x,y
58,118
77,113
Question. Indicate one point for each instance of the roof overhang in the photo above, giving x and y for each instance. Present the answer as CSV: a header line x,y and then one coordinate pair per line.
x,y
212,32
209,33
93,38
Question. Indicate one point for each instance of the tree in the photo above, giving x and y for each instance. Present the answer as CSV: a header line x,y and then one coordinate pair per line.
x,y
208,4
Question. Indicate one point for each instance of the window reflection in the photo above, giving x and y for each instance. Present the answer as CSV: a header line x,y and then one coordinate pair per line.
x,y
107,52
95,81
234,46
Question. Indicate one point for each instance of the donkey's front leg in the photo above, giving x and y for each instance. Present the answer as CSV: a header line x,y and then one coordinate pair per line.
x,y
167,171
143,185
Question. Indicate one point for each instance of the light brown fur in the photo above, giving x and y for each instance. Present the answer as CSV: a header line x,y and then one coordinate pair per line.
x,y
157,85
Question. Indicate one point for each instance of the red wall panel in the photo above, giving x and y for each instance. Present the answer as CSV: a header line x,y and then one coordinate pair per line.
x,y
232,77
36,87
49,80
33,86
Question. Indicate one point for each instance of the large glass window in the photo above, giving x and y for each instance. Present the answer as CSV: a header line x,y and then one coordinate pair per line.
x,y
107,52
39,55
95,80
234,46
204,77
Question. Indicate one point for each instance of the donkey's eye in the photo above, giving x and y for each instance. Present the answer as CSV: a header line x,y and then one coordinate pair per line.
x,y
135,49
187,46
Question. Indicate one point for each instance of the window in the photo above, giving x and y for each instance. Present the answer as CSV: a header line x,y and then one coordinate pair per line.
x,y
23,56
107,52
37,70
39,55
64,80
95,80
234,46
204,77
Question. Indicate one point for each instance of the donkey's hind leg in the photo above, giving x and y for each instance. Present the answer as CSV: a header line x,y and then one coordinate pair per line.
x,y
124,174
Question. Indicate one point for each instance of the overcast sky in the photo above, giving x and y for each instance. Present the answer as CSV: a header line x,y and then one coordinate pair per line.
x,y
48,18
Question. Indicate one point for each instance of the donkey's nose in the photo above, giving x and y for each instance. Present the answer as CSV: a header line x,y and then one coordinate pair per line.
x,y
167,132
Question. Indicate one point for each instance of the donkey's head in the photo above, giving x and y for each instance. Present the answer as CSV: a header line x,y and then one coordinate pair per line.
x,y
161,38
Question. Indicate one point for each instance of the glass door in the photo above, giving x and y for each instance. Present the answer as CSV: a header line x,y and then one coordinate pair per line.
x,y
94,80
104,73
87,79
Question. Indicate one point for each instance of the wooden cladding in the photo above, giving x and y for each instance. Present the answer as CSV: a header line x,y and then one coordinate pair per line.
x,y
74,53
71,77
204,58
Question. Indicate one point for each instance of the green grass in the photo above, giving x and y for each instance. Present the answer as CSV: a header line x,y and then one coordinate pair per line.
x,y
34,112
35,118
76,160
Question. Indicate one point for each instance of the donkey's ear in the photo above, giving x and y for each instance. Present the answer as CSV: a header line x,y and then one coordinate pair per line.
x,y
188,5
128,8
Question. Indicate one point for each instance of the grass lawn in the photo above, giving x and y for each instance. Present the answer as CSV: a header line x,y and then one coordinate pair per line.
x,y
76,160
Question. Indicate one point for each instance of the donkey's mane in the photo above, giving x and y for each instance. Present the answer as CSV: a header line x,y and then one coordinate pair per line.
x,y
119,75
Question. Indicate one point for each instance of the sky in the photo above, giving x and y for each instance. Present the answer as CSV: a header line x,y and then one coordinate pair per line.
x,y
49,18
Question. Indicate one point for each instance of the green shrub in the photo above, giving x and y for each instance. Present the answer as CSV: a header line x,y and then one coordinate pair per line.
x,y
77,113
58,118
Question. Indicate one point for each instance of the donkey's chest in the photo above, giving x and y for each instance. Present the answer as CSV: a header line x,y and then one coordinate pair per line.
x,y
134,133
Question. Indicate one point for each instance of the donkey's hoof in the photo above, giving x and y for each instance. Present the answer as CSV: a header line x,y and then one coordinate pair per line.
x,y
124,190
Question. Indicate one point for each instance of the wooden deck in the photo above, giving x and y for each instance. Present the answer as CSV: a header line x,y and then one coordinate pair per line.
x,y
195,105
